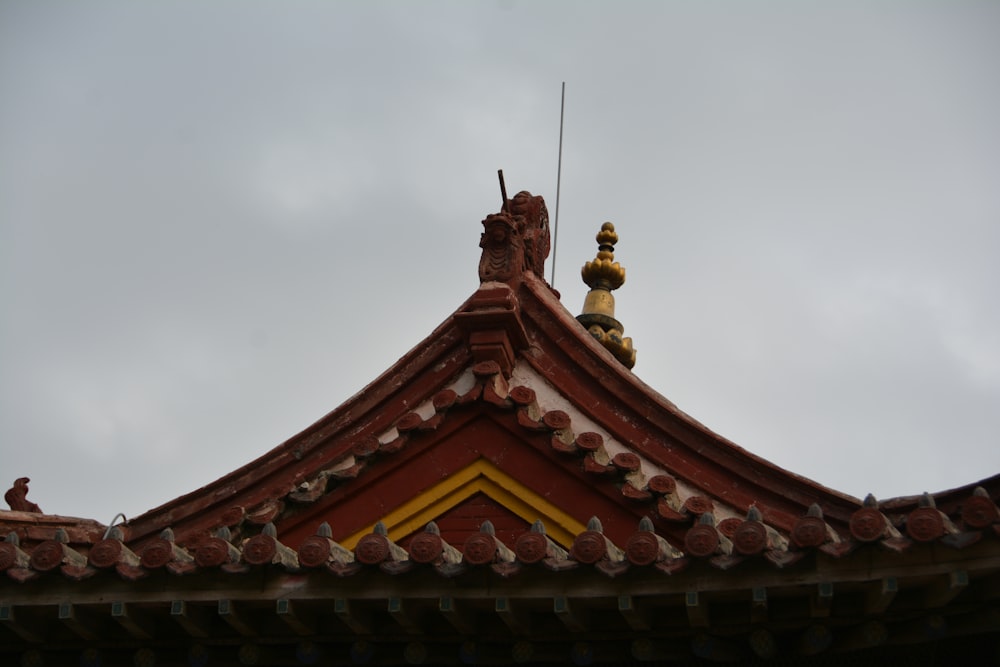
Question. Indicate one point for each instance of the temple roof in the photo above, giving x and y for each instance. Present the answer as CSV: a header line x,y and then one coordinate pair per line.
x,y
515,440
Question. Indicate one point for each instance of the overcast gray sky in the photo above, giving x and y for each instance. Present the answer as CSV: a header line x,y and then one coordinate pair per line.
x,y
219,220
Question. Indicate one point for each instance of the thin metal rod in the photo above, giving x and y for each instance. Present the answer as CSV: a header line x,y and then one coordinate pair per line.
x,y
503,190
555,226
112,524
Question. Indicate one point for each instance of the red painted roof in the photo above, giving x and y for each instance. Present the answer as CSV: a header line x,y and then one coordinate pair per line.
x,y
403,523
600,442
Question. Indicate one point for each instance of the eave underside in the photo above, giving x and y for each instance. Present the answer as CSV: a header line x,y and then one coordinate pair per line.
x,y
933,610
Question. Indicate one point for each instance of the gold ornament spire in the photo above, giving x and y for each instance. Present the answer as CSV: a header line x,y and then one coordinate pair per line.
x,y
603,275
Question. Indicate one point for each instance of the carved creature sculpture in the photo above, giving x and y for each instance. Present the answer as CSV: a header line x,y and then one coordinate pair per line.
x,y
515,240
533,220
16,497
503,248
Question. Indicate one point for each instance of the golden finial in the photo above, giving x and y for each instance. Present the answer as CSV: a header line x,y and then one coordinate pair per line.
x,y
603,275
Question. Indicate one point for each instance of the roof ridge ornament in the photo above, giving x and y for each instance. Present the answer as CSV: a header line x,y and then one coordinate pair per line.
x,y
516,239
16,497
602,275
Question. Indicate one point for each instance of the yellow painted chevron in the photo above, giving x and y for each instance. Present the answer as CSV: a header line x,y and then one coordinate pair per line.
x,y
481,476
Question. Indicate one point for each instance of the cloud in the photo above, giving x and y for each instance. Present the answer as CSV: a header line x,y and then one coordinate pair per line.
x,y
217,222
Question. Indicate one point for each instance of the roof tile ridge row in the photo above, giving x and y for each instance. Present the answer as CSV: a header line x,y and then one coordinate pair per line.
x,y
299,452
723,546
623,471
541,290
539,305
